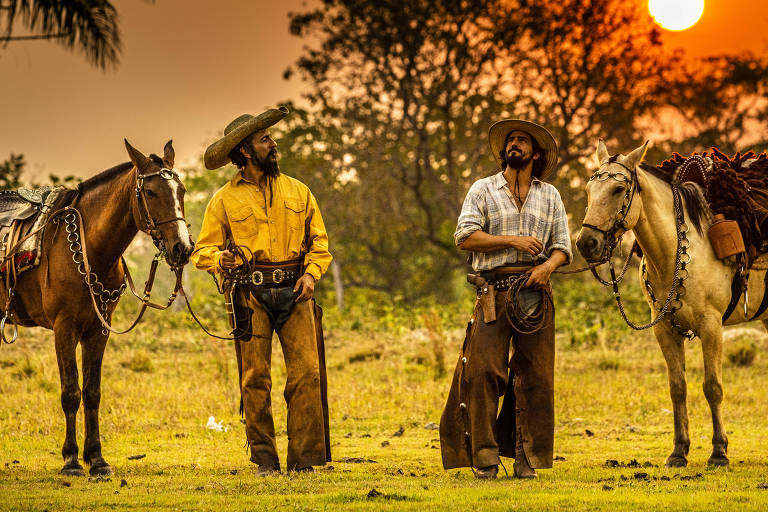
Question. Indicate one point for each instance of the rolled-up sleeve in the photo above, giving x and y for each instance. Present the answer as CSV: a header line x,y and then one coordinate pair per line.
x,y
473,214
560,237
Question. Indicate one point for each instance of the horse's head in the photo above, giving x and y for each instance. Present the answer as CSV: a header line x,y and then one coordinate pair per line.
x,y
159,206
613,205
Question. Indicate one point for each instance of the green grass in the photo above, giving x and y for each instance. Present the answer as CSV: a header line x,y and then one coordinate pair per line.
x,y
163,381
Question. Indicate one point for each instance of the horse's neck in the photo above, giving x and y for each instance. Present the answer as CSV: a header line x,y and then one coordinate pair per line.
x,y
108,221
656,229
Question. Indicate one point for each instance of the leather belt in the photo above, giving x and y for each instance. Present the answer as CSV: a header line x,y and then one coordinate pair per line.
x,y
503,277
272,275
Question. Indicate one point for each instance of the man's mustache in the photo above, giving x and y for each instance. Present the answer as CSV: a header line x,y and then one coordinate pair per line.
x,y
514,148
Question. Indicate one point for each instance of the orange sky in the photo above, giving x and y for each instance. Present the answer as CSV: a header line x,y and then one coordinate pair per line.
x,y
188,68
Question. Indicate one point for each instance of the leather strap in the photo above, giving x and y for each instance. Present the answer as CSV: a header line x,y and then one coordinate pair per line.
x,y
735,296
764,302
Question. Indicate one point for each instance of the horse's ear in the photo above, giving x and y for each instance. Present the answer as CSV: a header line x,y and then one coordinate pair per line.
x,y
168,154
137,159
602,152
635,157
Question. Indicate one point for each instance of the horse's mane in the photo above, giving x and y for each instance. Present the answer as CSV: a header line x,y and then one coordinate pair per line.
x,y
736,186
694,206
69,195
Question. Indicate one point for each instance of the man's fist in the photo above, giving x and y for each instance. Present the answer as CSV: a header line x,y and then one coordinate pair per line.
x,y
305,285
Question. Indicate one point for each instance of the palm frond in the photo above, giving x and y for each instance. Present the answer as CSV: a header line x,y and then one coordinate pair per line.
x,y
87,26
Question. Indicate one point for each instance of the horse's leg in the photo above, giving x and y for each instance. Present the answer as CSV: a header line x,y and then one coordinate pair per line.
x,y
711,335
66,345
671,344
93,344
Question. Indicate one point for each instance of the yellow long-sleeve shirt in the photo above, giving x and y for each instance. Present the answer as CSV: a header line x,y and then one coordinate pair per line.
x,y
286,230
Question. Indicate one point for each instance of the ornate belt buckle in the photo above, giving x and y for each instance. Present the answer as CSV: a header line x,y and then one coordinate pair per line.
x,y
278,275
257,278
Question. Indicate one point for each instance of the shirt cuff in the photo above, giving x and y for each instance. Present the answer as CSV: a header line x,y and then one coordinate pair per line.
x,y
217,261
463,234
313,269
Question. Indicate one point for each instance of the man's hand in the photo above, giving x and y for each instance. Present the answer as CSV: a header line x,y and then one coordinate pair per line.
x,y
529,244
229,260
305,284
540,275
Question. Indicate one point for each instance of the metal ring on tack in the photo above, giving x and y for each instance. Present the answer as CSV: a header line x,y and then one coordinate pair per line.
x,y
72,236
75,246
2,330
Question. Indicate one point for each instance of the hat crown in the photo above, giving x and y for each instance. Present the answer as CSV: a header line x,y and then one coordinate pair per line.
x,y
237,122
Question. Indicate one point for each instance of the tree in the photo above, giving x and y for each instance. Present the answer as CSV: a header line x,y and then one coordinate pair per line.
x,y
403,91
86,26
10,172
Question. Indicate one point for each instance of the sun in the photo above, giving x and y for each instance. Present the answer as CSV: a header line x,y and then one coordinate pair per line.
x,y
676,14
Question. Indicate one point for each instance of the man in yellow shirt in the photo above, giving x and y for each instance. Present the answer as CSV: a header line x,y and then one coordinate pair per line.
x,y
273,220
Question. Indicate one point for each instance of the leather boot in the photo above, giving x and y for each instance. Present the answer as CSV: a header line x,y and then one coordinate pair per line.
x,y
487,473
521,467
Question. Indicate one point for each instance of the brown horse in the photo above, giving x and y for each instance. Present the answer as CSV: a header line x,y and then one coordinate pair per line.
x,y
141,195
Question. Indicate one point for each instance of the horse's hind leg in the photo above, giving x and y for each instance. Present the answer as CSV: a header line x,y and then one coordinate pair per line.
x,y
66,345
93,344
671,344
712,349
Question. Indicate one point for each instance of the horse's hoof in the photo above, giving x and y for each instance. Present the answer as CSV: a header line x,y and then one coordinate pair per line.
x,y
103,469
675,461
718,461
73,470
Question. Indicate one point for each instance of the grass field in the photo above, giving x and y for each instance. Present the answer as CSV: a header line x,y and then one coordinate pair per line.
x,y
163,381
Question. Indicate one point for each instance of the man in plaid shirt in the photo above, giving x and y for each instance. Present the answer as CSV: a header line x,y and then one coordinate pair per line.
x,y
513,223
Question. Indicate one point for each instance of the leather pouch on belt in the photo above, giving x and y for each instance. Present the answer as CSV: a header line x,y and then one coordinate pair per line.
x,y
488,303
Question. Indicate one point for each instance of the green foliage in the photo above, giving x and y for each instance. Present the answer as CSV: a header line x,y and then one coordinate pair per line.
x,y
10,172
88,27
139,362
742,355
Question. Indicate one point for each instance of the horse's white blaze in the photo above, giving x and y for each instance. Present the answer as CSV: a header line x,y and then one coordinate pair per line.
x,y
181,227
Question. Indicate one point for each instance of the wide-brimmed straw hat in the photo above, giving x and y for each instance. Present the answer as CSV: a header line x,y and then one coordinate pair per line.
x,y
217,153
497,136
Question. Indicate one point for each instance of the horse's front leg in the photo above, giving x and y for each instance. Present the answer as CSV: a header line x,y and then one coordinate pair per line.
x,y
66,344
711,335
673,348
93,344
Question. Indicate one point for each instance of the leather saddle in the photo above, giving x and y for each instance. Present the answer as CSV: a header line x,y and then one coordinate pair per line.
x,y
18,211
21,204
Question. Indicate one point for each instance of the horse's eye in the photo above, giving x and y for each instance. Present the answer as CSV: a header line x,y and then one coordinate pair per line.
x,y
149,193
618,190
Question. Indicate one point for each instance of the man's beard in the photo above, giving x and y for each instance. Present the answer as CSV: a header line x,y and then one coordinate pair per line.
x,y
268,165
518,161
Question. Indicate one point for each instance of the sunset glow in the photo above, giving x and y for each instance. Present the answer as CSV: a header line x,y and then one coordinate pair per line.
x,y
676,14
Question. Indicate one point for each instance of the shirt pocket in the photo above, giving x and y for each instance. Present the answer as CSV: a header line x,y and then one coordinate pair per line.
x,y
295,213
242,223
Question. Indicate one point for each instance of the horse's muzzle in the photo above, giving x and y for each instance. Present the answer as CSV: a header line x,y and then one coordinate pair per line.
x,y
591,244
179,254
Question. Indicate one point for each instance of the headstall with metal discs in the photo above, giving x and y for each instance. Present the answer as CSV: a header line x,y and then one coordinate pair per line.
x,y
673,302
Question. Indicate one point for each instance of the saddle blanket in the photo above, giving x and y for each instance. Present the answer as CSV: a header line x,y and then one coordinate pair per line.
x,y
28,254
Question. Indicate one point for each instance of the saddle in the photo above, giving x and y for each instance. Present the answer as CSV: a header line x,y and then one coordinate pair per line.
x,y
735,187
22,211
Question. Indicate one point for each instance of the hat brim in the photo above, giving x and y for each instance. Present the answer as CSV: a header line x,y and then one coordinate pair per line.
x,y
217,154
497,136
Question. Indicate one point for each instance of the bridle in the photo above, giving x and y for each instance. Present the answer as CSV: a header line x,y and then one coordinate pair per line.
x,y
672,302
602,174
147,222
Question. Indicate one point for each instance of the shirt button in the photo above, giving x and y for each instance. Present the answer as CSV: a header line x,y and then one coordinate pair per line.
x,y
274,239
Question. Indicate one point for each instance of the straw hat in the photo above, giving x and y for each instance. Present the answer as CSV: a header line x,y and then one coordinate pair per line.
x,y
497,136
217,153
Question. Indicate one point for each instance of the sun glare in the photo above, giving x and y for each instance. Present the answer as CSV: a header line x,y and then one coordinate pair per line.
x,y
676,14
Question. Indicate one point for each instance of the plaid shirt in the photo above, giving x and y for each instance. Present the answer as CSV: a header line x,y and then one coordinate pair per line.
x,y
490,207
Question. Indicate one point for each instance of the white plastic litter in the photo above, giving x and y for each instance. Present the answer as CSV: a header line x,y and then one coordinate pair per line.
x,y
218,426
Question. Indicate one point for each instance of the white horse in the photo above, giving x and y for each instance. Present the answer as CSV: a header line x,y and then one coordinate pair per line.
x,y
623,196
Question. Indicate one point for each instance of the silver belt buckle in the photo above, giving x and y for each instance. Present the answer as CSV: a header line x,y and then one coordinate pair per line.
x,y
257,278
278,275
